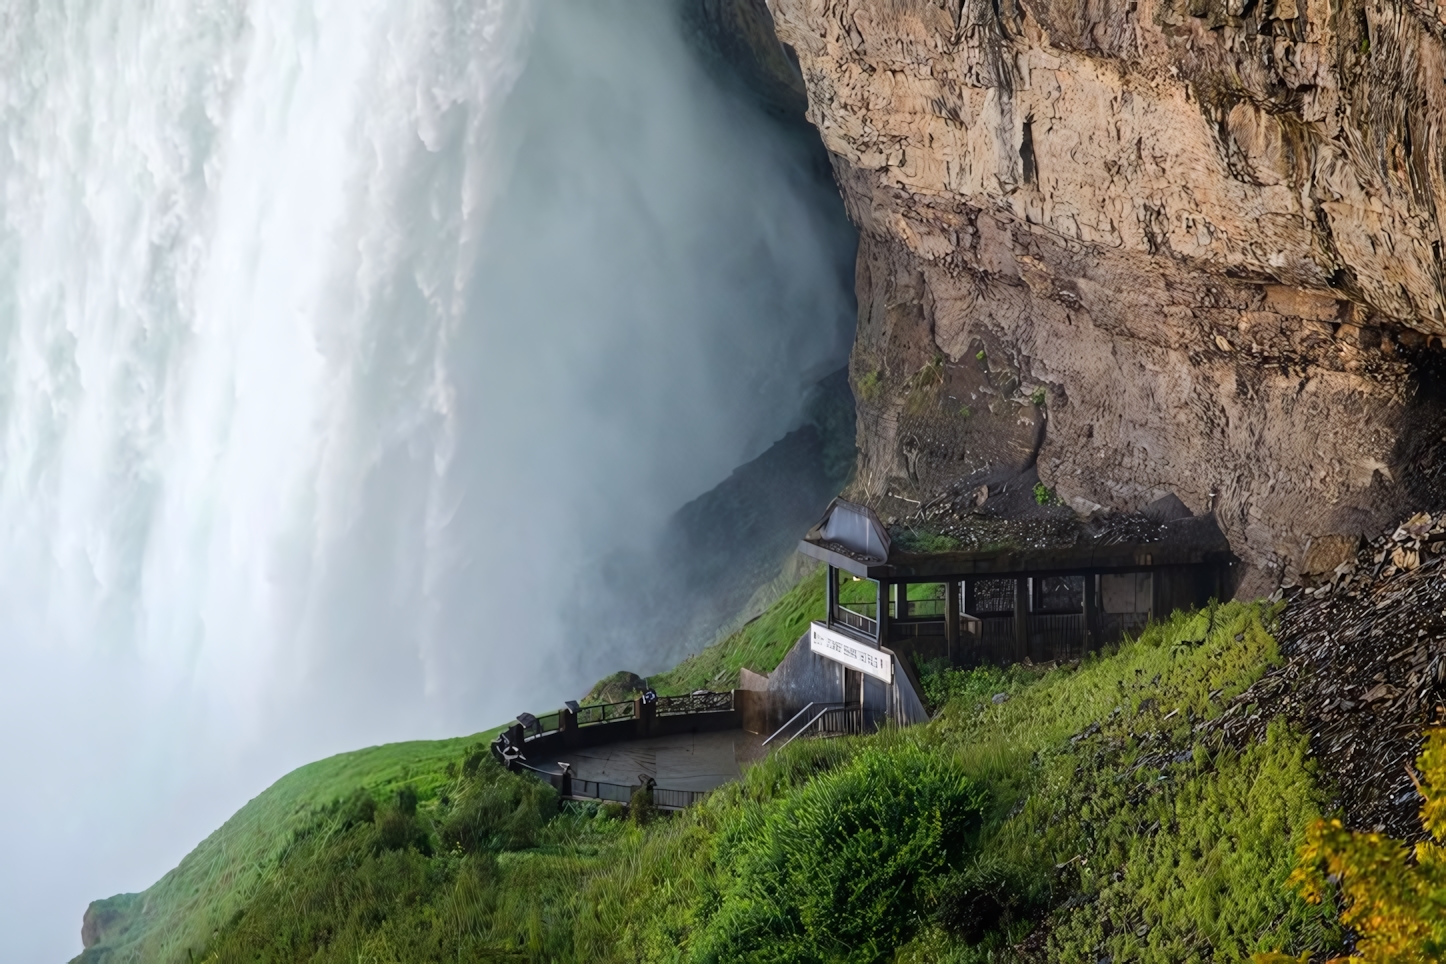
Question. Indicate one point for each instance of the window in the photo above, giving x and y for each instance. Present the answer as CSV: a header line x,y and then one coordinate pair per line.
x,y
1059,594
993,596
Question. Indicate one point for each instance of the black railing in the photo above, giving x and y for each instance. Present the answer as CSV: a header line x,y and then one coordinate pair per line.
x,y
676,799
837,721
605,713
922,627
595,790
700,702
857,620
508,747
925,607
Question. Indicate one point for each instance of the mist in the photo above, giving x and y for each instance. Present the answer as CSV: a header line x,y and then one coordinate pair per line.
x,y
339,339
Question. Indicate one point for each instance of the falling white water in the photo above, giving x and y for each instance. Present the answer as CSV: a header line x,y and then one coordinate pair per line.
x,y
334,334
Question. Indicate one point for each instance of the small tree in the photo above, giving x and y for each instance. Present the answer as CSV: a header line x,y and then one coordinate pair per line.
x,y
1394,894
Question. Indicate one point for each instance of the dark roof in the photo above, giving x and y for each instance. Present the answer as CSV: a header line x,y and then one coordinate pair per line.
x,y
851,531
1119,543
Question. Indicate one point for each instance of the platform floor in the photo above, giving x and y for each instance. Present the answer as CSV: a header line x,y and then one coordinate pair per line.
x,y
690,761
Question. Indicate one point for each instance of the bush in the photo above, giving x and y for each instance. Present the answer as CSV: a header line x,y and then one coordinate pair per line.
x,y
640,806
399,830
359,807
497,810
1395,895
839,869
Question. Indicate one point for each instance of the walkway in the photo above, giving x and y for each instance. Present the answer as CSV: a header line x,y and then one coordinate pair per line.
x,y
688,761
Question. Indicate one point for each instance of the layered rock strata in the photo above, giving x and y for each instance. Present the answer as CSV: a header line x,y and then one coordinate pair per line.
x,y
1144,246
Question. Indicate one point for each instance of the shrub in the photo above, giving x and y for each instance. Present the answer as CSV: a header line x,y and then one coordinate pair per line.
x,y
359,807
640,806
1395,895
398,830
497,810
838,869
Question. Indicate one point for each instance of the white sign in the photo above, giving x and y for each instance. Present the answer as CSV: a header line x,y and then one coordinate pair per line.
x,y
851,652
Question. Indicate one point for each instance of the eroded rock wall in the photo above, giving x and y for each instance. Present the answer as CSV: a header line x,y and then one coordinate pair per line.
x,y
1147,246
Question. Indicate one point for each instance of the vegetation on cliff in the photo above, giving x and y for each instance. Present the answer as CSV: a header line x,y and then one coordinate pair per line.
x,y
1066,814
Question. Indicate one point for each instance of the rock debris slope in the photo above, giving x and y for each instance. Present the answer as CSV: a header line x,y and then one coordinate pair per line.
x,y
1364,669
1148,246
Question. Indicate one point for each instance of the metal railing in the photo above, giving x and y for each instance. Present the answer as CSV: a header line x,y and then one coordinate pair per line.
x,y
827,720
925,607
701,702
665,799
596,790
1056,636
923,627
574,788
836,721
800,715
857,620
605,713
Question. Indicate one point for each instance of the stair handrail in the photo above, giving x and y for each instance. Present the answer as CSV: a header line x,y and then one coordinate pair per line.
x,y
795,716
805,728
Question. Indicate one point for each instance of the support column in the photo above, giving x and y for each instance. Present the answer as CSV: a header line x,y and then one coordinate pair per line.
x,y
1021,618
1092,612
901,600
831,597
883,613
971,604
951,619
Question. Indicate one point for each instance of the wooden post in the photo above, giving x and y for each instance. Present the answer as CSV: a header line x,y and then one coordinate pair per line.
x,y
970,603
951,619
1021,618
567,724
901,600
1092,613
645,713
883,612
831,597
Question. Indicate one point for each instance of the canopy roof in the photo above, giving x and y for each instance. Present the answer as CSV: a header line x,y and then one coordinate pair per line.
x,y
852,531
852,538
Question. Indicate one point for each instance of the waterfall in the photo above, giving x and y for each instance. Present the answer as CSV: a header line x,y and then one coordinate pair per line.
x,y
335,335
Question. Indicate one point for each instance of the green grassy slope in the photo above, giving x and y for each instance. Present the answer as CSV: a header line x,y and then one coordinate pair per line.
x,y
1115,829
180,911
1070,815
760,645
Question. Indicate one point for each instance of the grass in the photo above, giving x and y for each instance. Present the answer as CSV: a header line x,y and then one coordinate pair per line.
x,y
1082,812
177,914
1110,830
923,541
760,645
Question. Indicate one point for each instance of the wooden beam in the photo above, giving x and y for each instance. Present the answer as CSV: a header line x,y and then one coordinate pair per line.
x,y
1021,618
831,597
1092,612
951,619
883,613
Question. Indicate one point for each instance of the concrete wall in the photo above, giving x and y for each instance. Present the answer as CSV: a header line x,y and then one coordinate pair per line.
x,y
805,677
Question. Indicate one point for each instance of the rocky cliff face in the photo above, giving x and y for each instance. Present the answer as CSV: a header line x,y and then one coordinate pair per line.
x,y
1144,246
